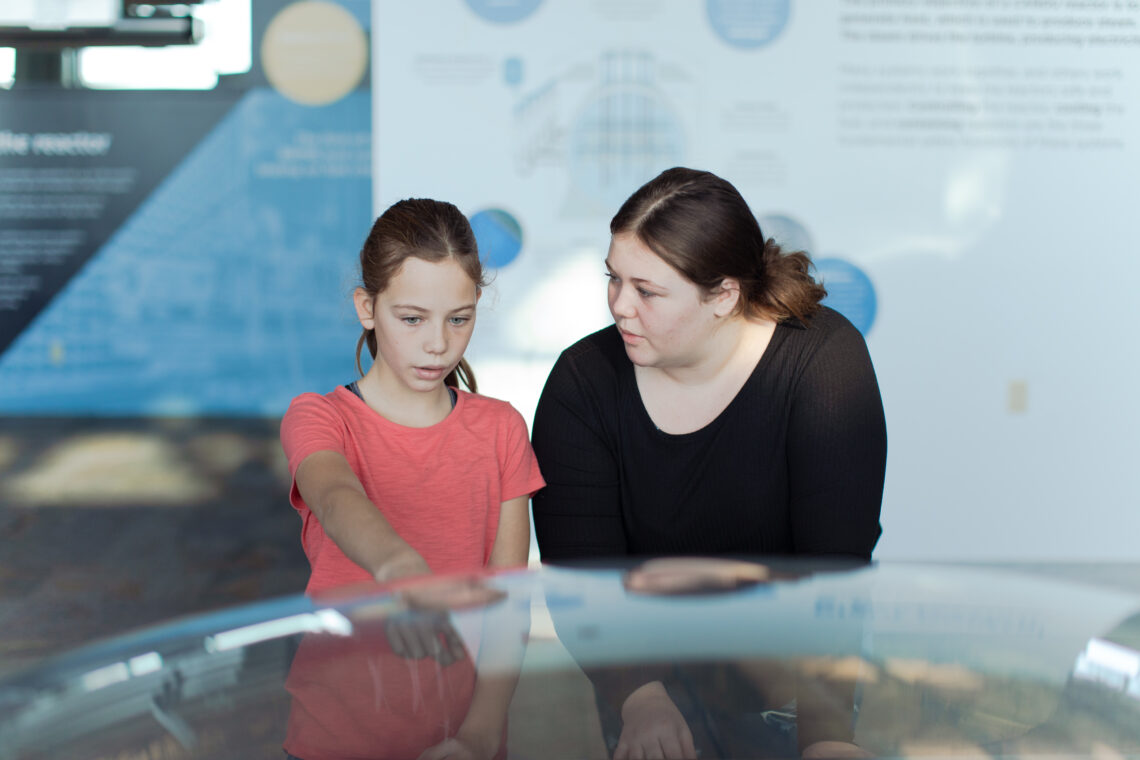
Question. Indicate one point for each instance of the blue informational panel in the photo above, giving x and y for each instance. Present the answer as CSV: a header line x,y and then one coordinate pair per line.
x,y
188,252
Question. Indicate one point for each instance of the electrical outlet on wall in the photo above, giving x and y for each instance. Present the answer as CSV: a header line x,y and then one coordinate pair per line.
x,y
1018,401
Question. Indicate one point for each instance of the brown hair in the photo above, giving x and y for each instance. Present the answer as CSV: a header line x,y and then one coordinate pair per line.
x,y
702,227
423,229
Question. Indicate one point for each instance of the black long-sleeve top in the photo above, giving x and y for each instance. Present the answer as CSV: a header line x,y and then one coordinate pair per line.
x,y
794,465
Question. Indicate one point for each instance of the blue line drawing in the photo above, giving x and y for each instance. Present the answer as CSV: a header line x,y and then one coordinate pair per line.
x,y
626,133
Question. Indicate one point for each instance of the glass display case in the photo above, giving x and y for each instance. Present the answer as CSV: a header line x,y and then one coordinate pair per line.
x,y
889,660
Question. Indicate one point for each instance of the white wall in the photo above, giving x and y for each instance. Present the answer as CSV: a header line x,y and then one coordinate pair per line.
x,y
976,160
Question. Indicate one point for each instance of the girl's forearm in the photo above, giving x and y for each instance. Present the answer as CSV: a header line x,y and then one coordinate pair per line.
x,y
361,531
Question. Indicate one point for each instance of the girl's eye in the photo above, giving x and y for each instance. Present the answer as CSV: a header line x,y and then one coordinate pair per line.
x,y
411,320
645,293
459,321
611,276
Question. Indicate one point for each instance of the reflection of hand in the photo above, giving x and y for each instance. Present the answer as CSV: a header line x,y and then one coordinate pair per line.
x,y
425,636
837,750
690,575
450,593
653,727
426,631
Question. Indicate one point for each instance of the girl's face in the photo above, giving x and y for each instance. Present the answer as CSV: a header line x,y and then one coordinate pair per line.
x,y
423,322
664,318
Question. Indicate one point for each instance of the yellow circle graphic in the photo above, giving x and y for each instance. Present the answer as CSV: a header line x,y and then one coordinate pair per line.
x,y
314,52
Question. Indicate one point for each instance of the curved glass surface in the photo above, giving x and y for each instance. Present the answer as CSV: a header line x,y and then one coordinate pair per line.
x,y
762,661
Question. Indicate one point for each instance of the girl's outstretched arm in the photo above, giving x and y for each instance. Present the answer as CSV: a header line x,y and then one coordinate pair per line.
x,y
334,494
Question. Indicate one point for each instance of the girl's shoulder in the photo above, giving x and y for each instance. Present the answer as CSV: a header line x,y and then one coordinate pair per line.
x,y
490,415
477,403
337,399
335,407
314,422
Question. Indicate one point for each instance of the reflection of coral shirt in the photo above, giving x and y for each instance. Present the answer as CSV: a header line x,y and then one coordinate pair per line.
x,y
354,699
440,488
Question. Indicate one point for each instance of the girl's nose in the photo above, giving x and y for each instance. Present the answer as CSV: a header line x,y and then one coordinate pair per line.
x,y
437,342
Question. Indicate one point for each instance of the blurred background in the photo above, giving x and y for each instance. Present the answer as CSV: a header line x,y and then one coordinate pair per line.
x,y
184,189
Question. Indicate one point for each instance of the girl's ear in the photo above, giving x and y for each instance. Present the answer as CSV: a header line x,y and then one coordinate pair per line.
x,y
726,297
365,304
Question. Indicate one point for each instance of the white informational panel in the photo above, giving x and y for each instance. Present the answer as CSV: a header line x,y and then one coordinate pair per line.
x,y
965,173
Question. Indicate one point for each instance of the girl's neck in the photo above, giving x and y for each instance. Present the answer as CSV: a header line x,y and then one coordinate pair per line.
x,y
399,404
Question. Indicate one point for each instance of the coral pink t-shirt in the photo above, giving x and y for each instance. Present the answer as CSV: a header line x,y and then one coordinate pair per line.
x,y
439,487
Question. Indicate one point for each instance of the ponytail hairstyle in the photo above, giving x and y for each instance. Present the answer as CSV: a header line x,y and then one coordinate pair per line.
x,y
700,225
424,229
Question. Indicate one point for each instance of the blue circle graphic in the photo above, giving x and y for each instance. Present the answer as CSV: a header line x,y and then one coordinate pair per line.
x,y
504,11
498,235
748,23
513,71
788,232
849,291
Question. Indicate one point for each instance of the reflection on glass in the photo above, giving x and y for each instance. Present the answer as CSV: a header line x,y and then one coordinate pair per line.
x,y
914,707
759,661
751,707
321,621
357,697
1112,664
408,682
